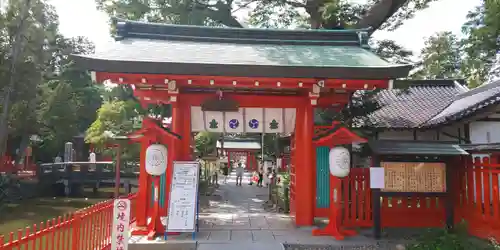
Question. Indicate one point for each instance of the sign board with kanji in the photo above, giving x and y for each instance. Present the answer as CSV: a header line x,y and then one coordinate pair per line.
x,y
183,204
121,224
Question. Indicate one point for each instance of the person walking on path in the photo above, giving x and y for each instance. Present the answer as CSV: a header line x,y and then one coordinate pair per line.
x,y
261,178
239,173
225,171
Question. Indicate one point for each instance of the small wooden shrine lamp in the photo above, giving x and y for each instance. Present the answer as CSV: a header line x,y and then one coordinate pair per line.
x,y
151,133
337,135
409,162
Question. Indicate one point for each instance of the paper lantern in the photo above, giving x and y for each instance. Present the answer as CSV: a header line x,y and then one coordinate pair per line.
x,y
340,161
156,159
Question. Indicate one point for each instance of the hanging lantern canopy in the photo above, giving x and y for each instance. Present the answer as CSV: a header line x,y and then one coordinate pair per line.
x,y
156,159
340,161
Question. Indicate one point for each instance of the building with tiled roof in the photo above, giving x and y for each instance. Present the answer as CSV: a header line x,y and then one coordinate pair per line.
x,y
442,110
470,104
412,103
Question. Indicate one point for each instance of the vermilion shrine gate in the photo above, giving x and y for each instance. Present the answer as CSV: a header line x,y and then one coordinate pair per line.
x,y
240,149
239,80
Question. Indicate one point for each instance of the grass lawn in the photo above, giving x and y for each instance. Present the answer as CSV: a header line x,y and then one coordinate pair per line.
x,y
19,215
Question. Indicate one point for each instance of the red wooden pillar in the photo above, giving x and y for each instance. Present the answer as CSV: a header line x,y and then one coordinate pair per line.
x,y
175,148
304,190
247,164
144,187
184,130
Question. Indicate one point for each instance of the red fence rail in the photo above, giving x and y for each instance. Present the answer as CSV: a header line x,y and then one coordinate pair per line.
x,y
86,229
478,199
475,192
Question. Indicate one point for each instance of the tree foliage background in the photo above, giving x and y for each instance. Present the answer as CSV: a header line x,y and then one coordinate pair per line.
x,y
50,100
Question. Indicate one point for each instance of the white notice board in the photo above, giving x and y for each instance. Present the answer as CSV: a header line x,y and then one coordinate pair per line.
x,y
121,224
377,177
183,202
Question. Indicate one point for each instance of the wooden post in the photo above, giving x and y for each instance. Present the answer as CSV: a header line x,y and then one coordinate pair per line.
x,y
304,214
75,232
155,224
117,171
308,159
144,187
449,207
376,213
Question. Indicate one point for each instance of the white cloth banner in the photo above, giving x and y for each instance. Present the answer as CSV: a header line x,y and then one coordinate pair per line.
x,y
289,123
197,124
273,120
234,122
246,120
254,119
214,121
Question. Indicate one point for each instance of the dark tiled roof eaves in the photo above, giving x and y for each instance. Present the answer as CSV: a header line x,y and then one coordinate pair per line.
x,y
468,104
412,103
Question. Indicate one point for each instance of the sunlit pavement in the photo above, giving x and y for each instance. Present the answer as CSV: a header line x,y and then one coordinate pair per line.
x,y
236,219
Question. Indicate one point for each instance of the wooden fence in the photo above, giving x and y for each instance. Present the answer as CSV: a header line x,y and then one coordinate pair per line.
x,y
86,229
475,193
356,203
477,199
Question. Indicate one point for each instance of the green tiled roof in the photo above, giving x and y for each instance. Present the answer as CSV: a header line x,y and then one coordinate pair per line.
x,y
176,49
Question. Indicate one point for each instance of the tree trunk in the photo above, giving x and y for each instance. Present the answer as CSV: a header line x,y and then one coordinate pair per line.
x,y
379,13
313,9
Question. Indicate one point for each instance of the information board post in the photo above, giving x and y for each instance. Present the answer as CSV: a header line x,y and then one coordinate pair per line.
x,y
121,224
183,199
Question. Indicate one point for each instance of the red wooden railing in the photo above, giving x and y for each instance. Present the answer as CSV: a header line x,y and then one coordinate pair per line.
x,y
477,199
475,192
355,198
424,211
86,229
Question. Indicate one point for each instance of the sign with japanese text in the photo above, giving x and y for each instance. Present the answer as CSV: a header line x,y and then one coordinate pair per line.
x,y
182,207
121,224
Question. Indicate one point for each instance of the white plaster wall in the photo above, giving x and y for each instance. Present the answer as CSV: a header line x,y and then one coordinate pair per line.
x,y
430,135
484,132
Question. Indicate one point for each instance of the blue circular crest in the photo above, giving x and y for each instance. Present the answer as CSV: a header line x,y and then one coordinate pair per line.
x,y
254,123
234,123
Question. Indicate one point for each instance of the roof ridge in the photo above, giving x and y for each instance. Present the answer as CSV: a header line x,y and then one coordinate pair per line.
x,y
425,82
493,99
480,89
160,31
118,20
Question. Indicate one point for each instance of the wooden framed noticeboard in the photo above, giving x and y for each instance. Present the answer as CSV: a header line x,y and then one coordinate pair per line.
x,y
414,177
183,203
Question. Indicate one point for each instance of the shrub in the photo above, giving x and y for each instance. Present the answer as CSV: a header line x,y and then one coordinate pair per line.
x,y
456,239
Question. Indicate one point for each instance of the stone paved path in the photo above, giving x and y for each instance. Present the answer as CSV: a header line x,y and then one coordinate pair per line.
x,y
237,220
239,217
